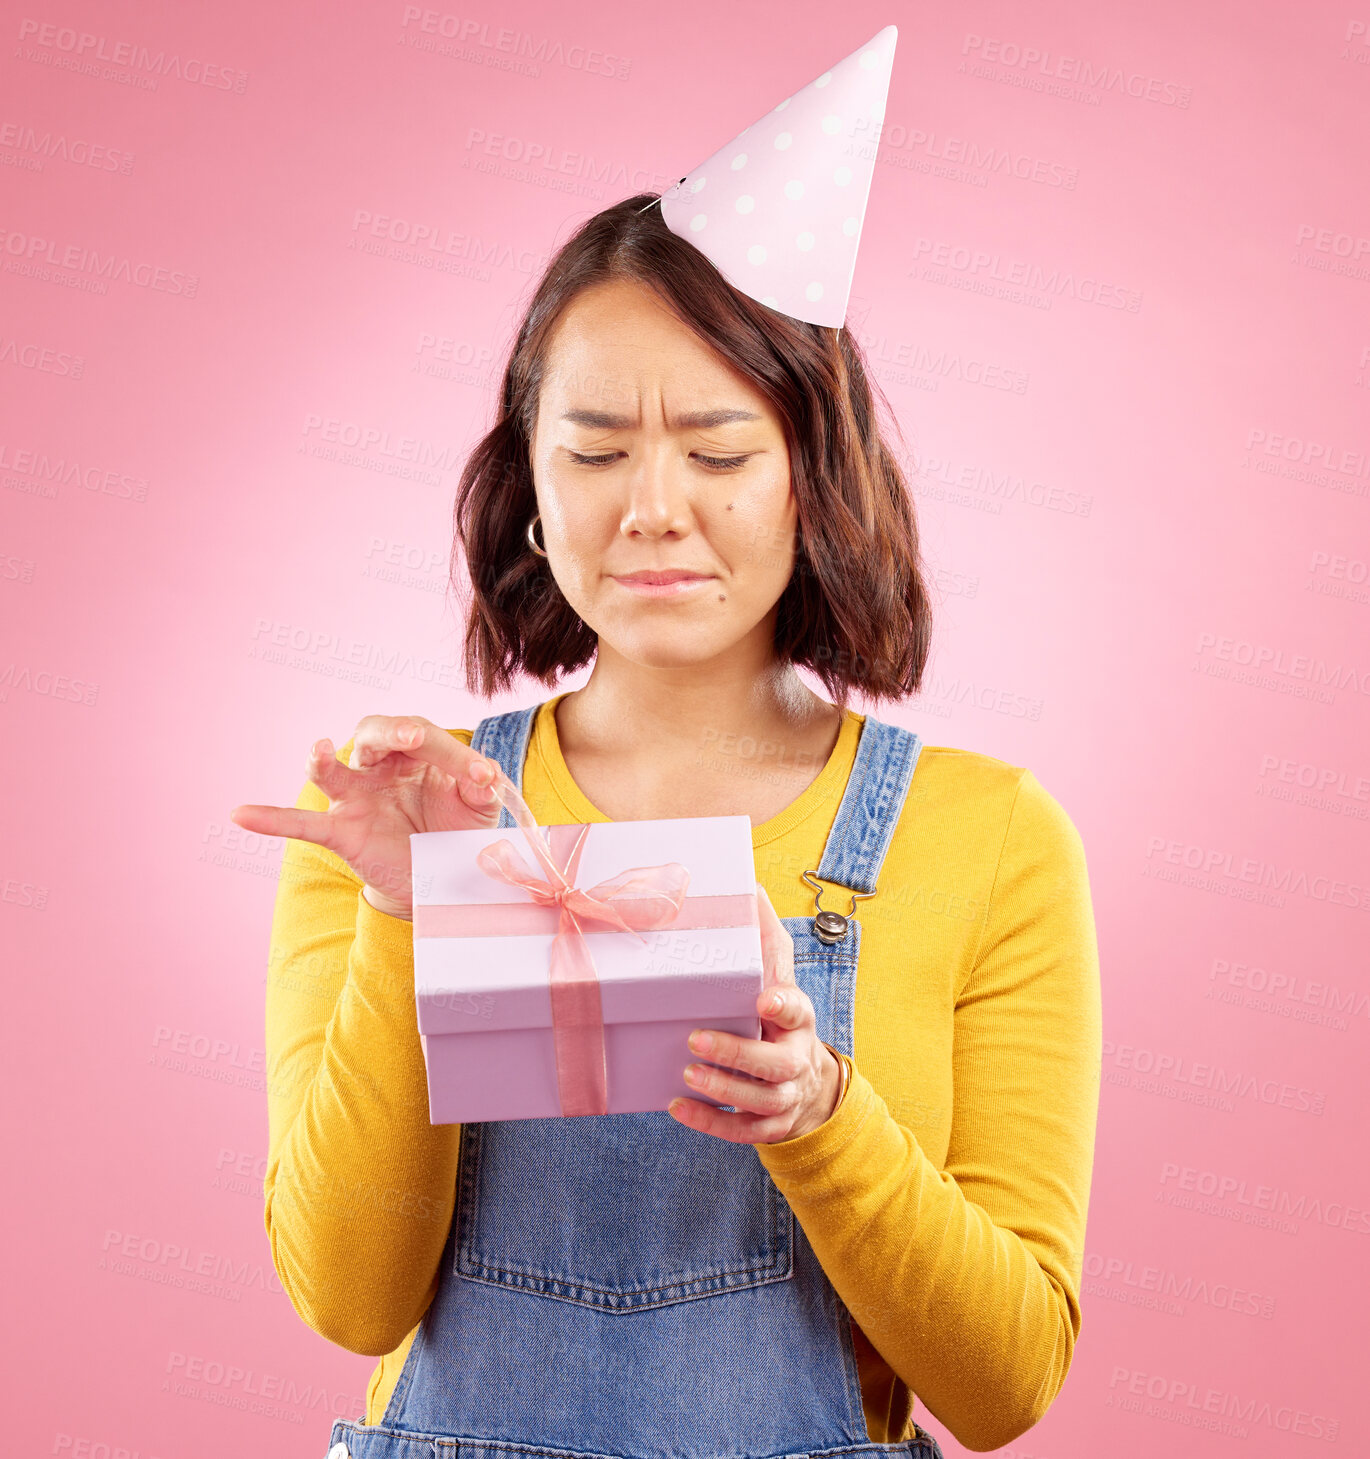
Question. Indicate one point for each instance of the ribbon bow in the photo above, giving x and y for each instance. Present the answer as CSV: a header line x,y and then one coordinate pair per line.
x,y
642,896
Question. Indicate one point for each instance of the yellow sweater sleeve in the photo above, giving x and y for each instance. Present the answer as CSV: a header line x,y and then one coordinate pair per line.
x,y
359,1187
966,1279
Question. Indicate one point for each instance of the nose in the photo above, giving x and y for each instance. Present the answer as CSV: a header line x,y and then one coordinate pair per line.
x,y
658,501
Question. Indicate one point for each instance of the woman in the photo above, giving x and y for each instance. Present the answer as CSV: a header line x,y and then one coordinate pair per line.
x,y
889,1197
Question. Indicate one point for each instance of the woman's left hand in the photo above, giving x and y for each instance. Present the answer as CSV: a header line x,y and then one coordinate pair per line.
x,y
783,1084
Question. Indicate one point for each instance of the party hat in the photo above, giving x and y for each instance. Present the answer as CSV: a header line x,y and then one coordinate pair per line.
x,y
779,210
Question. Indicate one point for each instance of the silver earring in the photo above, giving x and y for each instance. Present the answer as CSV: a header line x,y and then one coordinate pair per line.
x,y
532,542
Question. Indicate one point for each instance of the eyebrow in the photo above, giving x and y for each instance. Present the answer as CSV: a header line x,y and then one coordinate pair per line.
x,y
694,421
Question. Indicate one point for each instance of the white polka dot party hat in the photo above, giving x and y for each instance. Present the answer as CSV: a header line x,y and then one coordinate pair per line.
x,y
779,209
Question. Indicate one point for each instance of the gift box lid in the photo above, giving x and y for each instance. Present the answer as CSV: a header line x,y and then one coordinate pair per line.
x,y
493,973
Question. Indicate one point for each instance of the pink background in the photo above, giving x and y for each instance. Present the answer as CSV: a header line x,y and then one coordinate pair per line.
x,y
1115,280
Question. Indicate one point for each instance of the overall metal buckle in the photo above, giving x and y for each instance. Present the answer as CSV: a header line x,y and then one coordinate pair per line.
x,y
831,927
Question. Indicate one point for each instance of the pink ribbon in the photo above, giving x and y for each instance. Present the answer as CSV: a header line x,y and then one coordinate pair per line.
x,y
642,896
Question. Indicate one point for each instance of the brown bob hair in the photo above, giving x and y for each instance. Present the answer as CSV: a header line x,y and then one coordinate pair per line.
x,y
856,610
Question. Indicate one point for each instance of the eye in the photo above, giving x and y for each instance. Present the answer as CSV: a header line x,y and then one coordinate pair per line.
x,y
714,463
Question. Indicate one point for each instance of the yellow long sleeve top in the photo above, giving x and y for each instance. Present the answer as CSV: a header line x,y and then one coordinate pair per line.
x,y
945,1197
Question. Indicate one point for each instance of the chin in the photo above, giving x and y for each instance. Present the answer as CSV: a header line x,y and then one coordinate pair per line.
x,y
672,647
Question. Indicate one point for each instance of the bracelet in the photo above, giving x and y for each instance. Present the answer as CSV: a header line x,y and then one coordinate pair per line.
x,y
841,1075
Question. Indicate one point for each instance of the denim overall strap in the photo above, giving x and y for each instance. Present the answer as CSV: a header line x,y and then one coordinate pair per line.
x,y
886,756
504,738
624,1287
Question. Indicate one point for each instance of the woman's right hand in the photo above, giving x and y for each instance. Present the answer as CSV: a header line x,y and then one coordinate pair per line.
x,y
407,774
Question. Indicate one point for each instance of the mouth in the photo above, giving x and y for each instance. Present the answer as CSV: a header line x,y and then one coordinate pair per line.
x,y
662,584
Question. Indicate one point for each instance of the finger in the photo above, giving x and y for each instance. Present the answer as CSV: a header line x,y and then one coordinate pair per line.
x,y
777,946
752,1096
323,769
740,1126
794,1009
765,1059
380,735
329,773
288,821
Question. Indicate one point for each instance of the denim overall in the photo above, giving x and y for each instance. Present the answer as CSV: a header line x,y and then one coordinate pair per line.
x,y
624,1286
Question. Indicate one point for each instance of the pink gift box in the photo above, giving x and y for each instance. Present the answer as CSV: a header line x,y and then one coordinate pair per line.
x,y
505,1037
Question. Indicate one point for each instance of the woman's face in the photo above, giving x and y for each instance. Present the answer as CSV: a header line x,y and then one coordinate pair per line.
x,y
652,455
